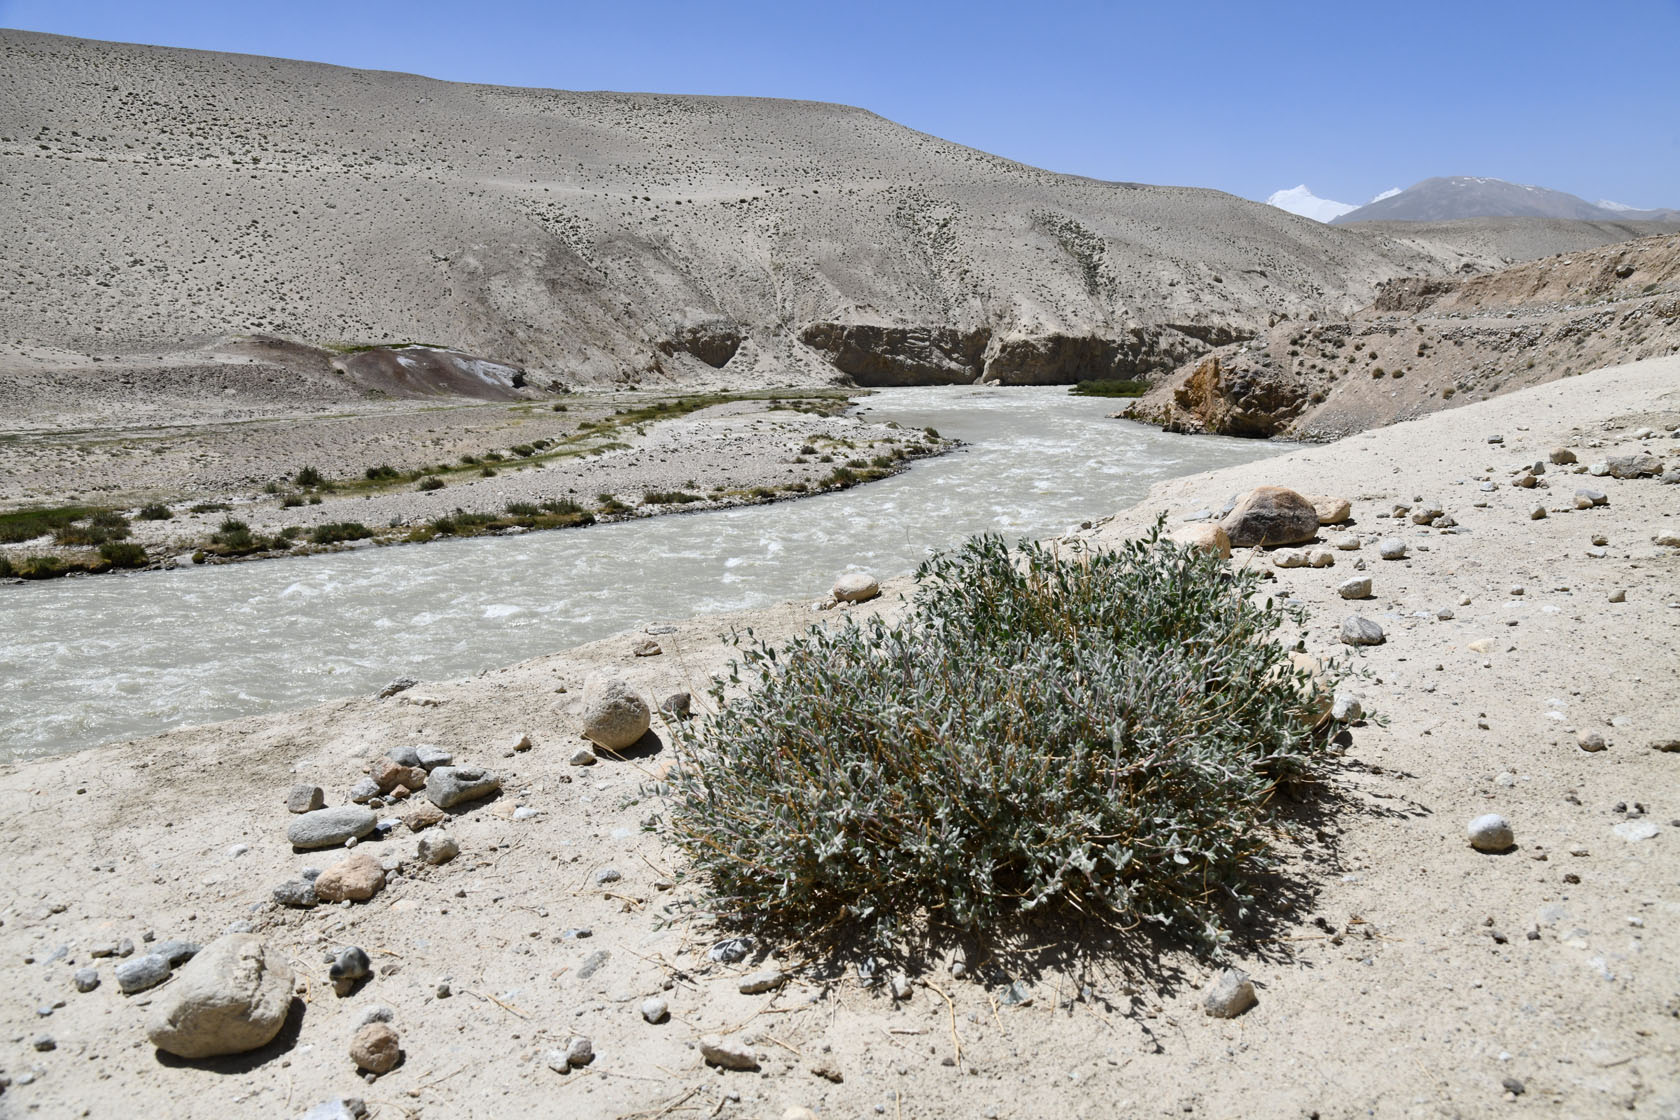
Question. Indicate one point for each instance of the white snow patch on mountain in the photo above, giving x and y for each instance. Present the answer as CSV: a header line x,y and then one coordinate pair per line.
x,y
1300,200
1389,193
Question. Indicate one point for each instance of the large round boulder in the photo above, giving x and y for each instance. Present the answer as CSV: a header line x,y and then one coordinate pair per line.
x,y
231,997
614,714
1270,515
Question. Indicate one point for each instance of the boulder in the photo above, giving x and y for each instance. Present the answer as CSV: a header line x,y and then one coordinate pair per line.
x,y
357,878
1204,536
855,587
1331,510
1358,631
1270,515
328,828
232,997
614,714
448,786
1637,465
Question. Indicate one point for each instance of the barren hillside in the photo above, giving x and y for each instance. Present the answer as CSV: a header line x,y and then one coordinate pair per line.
x,y
155,197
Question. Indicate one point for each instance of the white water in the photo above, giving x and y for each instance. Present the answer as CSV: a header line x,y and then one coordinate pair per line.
x,y
86,661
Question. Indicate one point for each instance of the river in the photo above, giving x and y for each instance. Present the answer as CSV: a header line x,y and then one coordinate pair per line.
x,y
87,661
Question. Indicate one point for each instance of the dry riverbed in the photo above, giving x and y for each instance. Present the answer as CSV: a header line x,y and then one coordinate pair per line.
x,y
410,471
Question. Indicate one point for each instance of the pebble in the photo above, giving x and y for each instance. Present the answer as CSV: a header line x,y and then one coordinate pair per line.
x,y
1347,542
141,973
1359,631
655,1009
677,706
297,893
607,875
356,878
378,1013
1591,742
1230,994
767,980
583,756
1491,832
1321,558
1562,456
45,1042
404,756
1289,558
730,950
902,989
647,647
376,1048
86,979
305,799
580,1051
1391,548
177,952
727,1052
351,963
401,684
329,828
1347,709
438,847
1586,499
1359,587
364,791
1636,830
448,786
1537,513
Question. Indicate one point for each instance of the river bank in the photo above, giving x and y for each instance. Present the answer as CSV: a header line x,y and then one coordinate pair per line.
x,y
1400,973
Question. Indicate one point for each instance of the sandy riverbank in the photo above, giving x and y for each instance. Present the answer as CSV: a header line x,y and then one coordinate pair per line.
x,y
1403,974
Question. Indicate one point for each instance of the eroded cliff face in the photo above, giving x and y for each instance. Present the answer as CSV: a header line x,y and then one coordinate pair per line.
x,y
875,356
1427,344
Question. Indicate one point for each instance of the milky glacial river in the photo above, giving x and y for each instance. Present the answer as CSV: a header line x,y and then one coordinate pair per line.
x,y
87,661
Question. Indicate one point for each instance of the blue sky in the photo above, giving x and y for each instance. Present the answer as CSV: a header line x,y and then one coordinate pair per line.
x,y
1349,98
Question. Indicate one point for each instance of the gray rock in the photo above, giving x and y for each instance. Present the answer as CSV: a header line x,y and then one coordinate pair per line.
x,y
86,979
729,1053
1591,742
1586,499
1358,631
1230,994
401,684
404,756
230,998
437,848
593,963
1270,515
614,714
177,952
364,791
767,980
607,875
141,973
1562,456
433,757
1636,830
1637,465
655,1009
583,756
378,1013
1491,832
449,786
1599,470
1537,513
1391,548
902,989
1346,708
1359,587
351,963
45,1042
328,828
296,893
305,798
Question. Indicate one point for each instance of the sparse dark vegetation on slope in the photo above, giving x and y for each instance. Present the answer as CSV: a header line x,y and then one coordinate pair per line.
x,y
1104,732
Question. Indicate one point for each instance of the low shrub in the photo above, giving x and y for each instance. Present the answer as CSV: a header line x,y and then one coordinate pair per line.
x,y
156,511
105,525
210,507
123,554
335,532
669,498
430,482
1105,733
309,476
382,473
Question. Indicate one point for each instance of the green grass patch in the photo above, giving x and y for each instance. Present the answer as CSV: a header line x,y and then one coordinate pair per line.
x,y
669,498
27,524
337,532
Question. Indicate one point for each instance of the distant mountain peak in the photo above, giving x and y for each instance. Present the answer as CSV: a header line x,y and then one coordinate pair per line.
x,y
1448,198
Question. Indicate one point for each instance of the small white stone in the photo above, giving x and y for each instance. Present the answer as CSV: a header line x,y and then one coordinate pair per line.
x,y
1491,832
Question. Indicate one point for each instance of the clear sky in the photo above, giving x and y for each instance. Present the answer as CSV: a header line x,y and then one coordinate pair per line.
x,y
1248,97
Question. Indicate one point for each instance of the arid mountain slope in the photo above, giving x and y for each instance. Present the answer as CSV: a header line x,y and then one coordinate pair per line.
x,y
156,197
1430,343
1445,198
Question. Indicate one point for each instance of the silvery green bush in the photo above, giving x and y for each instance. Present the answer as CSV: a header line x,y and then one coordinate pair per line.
x,y
1100,731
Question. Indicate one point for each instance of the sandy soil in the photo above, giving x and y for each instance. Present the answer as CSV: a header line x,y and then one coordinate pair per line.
x,y
1400,972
